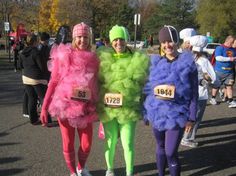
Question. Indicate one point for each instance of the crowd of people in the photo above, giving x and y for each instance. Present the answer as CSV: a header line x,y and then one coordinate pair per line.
x,y
118,86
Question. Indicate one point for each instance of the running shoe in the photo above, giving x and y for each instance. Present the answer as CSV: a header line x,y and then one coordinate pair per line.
x,y
213,101
83,172
110,173
191,143
26,115
232,104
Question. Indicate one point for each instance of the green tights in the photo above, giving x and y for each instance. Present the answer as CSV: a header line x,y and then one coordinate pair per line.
x,y
127,132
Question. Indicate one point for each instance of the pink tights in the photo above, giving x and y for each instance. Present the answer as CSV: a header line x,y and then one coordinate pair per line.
x,y
68,139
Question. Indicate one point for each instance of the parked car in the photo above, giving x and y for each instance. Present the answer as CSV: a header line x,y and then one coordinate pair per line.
x,y
210,48
139,44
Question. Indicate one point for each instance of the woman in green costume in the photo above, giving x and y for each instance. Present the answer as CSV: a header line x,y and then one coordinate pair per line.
x,y
122,76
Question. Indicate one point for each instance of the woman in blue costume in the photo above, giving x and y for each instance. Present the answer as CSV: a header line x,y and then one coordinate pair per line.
x,y
171,102
122,77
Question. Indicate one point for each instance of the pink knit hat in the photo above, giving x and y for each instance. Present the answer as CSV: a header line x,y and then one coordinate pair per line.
x,y
81,29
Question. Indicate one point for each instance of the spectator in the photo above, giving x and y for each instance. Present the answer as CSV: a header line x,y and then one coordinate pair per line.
x,y
44,51
63,36
33,76
100,43
17,47
225,56
107,42
150,41
206,76
185,35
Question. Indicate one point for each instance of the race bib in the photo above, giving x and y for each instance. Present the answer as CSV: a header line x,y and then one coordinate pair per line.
x,y
113,99
81,94
164,91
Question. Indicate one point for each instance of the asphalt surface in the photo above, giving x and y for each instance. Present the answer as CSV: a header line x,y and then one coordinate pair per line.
x,y
27,150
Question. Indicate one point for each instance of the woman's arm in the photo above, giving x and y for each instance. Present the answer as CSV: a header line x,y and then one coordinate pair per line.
x,y
50,90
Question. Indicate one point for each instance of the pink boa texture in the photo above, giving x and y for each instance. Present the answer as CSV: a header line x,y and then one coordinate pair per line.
x,y
72,68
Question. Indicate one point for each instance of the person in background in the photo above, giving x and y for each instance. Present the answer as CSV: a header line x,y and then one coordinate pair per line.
x,y
206,76
33,77
122,76
107,42
100,43
171,99
44,51
185,35
222,91
150,40
225,56
17,47
72,95
64,37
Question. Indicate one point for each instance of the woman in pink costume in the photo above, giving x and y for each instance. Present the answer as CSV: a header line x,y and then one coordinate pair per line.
x,y
72,94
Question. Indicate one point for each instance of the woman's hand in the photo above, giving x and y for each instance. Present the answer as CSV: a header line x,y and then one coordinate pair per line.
x,y
189,126
44,117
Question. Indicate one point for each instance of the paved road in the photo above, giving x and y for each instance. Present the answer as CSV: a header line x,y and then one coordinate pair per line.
x,y
27,150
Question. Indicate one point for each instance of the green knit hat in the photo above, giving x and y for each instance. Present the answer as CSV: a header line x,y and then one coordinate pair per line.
x,y
118,32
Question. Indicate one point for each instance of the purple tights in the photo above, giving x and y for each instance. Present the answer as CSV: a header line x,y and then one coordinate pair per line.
x,y
167,150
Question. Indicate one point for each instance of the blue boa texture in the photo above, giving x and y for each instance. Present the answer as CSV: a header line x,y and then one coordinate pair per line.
x,y
167,114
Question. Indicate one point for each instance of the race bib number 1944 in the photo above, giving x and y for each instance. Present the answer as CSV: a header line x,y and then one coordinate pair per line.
x,y
164,91
113,99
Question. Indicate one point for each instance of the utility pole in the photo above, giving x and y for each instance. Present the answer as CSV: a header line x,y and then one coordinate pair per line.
x,y
136,23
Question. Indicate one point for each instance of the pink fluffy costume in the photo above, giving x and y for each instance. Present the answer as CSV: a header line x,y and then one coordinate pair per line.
x,y
71,97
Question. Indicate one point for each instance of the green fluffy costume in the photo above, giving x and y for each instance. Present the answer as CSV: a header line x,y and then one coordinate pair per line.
x,y
123,73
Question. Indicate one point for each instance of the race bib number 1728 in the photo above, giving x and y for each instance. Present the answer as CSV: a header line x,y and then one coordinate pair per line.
x,y
113,99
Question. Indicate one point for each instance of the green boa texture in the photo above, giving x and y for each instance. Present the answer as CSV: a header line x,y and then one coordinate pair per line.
x,y
126,74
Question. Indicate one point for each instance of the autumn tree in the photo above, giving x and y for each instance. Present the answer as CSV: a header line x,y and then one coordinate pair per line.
x,y
217,17
45,15
54,22
20,12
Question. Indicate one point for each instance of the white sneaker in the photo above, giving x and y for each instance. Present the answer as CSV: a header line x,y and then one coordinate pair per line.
x,y
232,104
213,101
74,174
189,143
110,173
83,172
26,115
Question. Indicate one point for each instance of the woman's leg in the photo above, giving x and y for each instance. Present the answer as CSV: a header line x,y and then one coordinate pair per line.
x,y
127,134
160,151
68,138
41,89
172,141
25,104
32,103
201,109
111,136
85,136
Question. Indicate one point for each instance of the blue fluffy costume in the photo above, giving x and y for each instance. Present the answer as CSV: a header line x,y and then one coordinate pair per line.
x,y
182,73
